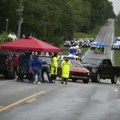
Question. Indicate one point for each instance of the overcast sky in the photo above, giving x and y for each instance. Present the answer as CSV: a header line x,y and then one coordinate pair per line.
x,y
116,6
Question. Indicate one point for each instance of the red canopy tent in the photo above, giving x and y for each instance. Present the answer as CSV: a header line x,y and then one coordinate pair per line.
x,y
30,43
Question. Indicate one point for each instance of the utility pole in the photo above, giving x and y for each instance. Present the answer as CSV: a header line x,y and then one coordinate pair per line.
x,y
7,20
20,14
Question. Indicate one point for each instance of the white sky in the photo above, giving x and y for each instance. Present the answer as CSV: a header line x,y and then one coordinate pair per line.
x,y
116,6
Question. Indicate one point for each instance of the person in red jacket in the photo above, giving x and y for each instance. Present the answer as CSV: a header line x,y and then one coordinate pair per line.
x,y
15,59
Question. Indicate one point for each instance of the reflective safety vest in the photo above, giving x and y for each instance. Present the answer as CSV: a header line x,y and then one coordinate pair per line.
x,y
65,68
54,65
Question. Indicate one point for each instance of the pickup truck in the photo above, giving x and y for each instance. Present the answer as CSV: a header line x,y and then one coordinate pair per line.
x,y
101,69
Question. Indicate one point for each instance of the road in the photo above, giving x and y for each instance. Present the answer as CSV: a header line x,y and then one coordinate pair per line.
x,y
105,35
74,101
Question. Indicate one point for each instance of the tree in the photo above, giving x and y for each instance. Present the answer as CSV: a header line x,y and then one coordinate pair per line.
x,y
50,20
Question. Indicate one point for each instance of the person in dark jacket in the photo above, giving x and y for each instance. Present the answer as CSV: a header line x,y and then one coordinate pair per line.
x,y
45,69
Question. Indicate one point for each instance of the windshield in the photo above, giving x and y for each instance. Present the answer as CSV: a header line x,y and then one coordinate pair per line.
x,y
76,64
92,61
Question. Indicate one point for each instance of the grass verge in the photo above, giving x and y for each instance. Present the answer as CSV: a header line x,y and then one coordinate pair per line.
x,y
91,34
117,57
117,52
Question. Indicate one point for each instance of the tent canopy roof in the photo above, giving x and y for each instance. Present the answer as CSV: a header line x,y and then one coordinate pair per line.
x,y
30,43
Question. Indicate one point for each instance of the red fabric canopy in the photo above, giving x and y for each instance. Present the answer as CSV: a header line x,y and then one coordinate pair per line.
x,y
30,43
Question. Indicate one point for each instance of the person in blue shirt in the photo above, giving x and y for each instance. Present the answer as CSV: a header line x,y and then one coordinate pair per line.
x,y
36,68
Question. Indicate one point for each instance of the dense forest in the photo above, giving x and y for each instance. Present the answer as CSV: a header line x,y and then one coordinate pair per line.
x,y
51,20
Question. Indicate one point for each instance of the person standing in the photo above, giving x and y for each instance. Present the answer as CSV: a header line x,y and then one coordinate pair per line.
x,y
66,64
30,73
15,60
102,50
53,67
36,68
45,69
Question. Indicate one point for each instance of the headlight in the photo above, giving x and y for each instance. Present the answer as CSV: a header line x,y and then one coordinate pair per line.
x,y
94,70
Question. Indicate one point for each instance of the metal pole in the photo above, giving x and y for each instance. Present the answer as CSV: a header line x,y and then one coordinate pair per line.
x,y
7,25
20,21
19,29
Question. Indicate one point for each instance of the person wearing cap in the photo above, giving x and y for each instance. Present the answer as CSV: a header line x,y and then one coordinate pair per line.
x,y
53,67
65,65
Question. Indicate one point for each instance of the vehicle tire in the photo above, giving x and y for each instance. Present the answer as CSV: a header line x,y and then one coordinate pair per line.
x,y
86,81
114,79
74,80
98,78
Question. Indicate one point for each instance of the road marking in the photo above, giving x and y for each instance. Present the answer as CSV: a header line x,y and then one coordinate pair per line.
x,y
31,100
1,107
20,101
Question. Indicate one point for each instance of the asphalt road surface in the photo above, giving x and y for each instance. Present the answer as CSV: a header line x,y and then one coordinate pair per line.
x,y
74,101
105,35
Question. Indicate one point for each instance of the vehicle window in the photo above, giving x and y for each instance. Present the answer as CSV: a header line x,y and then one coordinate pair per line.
x,y
92,61
76,64
107,62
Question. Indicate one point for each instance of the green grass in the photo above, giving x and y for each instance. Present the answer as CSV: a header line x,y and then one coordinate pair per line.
x,y
117,57
91,34
117,52
117,29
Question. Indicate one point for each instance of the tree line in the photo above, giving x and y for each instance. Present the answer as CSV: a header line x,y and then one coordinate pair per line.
x,y
51,20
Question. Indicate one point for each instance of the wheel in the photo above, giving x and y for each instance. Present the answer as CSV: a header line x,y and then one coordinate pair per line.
x,y
114,79
98,78
86,81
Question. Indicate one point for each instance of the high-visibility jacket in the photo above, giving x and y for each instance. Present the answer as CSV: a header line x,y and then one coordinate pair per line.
x,y
65,68
54,65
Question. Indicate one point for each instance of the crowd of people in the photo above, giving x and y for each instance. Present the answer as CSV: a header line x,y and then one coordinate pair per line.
x,y
28,66
100,50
